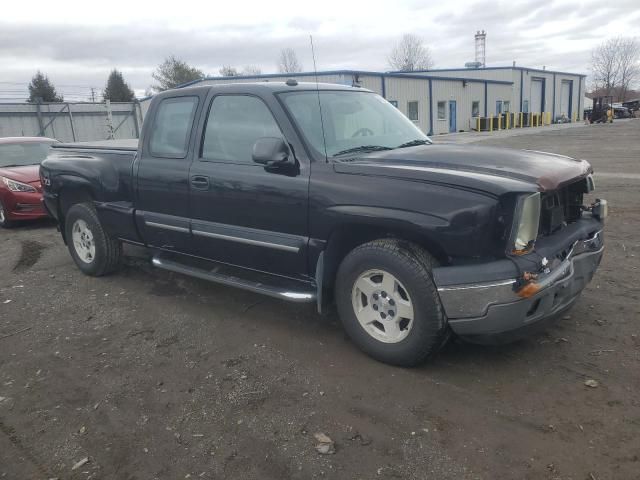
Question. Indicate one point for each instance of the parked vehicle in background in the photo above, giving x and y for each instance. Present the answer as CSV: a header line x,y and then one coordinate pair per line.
x,y
621,112
20,189
316,192
632,105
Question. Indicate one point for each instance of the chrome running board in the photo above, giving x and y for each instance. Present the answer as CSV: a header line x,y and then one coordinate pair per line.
x,y
271,285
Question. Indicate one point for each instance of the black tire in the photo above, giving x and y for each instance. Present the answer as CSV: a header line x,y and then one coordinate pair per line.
x,y
4,222
411,265
108,250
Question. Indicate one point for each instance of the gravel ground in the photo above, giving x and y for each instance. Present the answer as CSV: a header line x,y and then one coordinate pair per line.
x,y
146,374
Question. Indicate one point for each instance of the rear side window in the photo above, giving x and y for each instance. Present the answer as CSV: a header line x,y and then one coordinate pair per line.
x,y
172,126
235,123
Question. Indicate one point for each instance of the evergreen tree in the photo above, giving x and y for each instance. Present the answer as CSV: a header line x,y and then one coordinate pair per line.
x,y
41,87
117,90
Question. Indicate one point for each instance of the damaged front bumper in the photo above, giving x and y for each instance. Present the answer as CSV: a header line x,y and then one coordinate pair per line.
x,y
490,303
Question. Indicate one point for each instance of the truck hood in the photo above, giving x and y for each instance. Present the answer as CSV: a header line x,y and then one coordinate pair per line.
x,y
494,170
26,174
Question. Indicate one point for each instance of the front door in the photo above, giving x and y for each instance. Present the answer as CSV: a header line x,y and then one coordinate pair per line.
x,y
243,213
452,116
162,174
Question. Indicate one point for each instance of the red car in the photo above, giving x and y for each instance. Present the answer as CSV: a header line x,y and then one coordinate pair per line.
x,y
20,189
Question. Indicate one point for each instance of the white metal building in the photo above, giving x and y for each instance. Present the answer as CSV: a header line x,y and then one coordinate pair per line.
x,y
534,90
446,101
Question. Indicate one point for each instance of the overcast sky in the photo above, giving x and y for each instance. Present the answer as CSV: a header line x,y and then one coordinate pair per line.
x,y
77,43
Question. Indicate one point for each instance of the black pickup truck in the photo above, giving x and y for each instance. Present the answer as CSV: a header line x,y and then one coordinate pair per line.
x,y
325,193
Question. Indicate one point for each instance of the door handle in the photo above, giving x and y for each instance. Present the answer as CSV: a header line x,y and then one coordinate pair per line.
x,y
200,182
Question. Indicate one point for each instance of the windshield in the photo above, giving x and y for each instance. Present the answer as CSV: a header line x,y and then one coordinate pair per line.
x,y
21,154
354,122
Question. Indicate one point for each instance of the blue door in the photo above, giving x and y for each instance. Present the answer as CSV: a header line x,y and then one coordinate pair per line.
x,y
452,116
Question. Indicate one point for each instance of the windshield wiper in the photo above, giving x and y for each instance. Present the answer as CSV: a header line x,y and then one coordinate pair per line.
x,y
414,143
362,148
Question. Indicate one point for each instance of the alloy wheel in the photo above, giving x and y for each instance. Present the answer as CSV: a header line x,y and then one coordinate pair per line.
x,y
382,306
83,241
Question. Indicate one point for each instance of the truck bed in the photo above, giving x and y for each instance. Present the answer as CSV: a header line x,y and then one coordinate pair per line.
x,y
125,144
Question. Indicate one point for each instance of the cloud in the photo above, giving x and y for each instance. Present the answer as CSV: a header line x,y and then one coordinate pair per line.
x,y
558,34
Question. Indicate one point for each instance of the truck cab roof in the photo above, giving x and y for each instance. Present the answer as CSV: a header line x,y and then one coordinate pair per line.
x,y
264,87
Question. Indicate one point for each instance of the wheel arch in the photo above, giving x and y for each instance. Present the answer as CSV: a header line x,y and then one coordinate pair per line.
x,y
75,190
346,237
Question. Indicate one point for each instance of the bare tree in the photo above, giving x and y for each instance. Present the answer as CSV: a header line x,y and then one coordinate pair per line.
x,y
615,66
604,66
410,54
229,71
629,66
288,61
251,70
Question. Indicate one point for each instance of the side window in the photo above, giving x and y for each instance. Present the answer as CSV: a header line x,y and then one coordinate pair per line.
x,y
234,124
475,108
412,111
507,106
172,126
441,110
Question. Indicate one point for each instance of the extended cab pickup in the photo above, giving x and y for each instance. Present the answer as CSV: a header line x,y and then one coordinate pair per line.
x,y
325,193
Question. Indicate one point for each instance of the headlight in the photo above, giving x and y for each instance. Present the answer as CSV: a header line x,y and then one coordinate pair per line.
x,y
591,183
17,186
527,220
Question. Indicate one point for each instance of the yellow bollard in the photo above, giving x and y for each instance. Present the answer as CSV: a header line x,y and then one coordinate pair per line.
x,y
491,123
549,119
499,121
531,119
508,118
521,118
478,123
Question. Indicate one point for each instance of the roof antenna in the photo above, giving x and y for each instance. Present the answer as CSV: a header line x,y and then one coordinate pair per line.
x,y
315,71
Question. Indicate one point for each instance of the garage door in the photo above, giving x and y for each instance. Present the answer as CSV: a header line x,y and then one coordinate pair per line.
x,y
565,99
535,105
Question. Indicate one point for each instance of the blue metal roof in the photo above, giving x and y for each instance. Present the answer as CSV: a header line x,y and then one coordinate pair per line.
x,y
464,69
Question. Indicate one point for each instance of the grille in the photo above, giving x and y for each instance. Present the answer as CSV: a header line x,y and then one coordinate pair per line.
x,y
561,207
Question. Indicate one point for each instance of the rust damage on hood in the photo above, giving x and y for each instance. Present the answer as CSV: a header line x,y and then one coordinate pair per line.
x,y
568,171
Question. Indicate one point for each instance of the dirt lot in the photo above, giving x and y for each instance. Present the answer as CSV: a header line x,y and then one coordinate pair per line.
x,y
153,375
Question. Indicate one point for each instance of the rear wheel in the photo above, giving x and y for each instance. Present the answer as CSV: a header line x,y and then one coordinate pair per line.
x,y
92,249
388,302
4,221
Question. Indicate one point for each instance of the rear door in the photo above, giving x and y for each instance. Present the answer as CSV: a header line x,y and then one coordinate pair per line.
x,y
243,213
163,173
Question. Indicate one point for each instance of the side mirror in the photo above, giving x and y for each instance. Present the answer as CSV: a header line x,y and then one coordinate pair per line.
x,y
271,151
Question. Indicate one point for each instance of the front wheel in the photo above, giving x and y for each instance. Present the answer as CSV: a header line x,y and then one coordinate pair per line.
x,y
92,249
4,221
389,304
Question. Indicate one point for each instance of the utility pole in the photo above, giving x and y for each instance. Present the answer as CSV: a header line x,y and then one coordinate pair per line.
x,y
110,131
93,95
